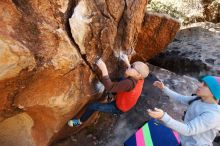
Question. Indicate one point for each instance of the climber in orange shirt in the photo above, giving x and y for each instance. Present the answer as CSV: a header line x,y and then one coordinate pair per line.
x,y
127,91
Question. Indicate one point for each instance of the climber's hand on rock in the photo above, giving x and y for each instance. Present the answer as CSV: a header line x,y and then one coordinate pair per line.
x,y
156,113
159,85
101,65
124,58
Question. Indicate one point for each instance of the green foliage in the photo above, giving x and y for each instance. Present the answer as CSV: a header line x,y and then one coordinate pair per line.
x,y
169,9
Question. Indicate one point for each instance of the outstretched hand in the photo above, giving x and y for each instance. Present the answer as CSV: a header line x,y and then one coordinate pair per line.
x,y
159,85
156,113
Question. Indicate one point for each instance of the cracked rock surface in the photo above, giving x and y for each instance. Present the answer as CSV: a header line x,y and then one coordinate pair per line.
x,y
47,50
195,51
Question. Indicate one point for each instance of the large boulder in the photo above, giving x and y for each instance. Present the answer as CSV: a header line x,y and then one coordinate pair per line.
x,y
19,129
104,29
47,51
194,51
153,37
41,71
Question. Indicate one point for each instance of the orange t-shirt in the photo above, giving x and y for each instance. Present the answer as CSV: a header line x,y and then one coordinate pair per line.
x,y
126,100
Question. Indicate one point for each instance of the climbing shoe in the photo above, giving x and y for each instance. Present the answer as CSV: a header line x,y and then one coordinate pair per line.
x,y
74,122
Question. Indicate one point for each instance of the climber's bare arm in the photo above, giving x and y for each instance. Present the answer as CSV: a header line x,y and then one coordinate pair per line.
x,y
101,65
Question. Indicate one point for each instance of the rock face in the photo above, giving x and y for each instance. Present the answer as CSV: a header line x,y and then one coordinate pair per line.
x,y
113,130
211,10
194,51
14,58
47,50
153,37
104,29
18,127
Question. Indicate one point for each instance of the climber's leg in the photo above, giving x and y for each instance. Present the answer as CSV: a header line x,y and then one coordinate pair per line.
x,y
102,107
